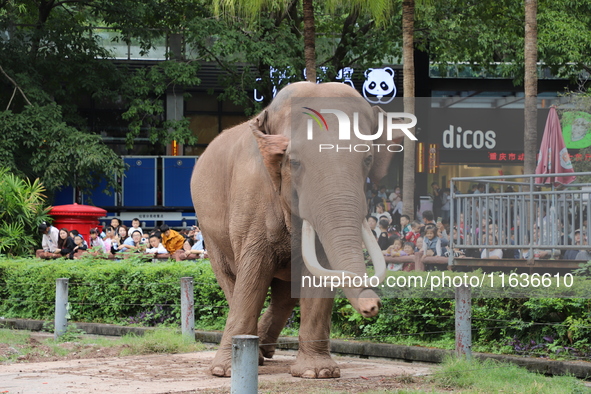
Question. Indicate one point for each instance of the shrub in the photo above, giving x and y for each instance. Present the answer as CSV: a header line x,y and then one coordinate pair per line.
x,y
109,291
146,293
22,209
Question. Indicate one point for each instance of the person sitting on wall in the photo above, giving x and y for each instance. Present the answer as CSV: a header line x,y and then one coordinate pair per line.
x,y
171,239
48,241
65,243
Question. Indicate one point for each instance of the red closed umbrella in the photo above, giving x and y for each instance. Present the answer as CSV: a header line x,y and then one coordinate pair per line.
x,y
553,157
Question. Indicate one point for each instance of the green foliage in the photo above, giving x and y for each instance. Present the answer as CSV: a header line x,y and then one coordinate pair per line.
x,y
39,144
22,209
161,340
489,376
490,36
52,61
122,291
109,291
148,88
72,334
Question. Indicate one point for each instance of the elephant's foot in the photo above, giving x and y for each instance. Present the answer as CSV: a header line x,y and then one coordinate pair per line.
x,y
268,351
315,367
222,364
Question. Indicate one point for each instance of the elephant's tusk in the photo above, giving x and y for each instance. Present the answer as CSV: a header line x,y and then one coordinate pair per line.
x,y
377,257
311,261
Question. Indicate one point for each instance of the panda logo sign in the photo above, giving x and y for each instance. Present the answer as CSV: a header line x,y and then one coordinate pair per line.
x,y
379,87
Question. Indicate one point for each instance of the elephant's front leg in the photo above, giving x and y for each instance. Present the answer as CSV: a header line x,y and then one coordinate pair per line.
x,y
247,302
313,360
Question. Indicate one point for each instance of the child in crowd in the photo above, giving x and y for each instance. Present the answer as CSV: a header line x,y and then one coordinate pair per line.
x,y
409,248
395,250
414,233
135,226
405,225
431,243
419,244
79,241
74,233
96,241
109,238
383,240
156,245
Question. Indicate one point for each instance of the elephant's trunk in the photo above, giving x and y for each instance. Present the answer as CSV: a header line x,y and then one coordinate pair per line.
x,y
343,249
311,260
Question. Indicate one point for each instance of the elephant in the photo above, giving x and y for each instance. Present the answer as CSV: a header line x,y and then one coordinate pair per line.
x,y
268,199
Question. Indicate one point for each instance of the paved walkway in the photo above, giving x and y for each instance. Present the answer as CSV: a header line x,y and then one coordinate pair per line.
x,y
167,373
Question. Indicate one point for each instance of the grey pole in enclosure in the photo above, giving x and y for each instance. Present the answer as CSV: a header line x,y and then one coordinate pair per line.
x,y
245,364
61,305
463,319
187,308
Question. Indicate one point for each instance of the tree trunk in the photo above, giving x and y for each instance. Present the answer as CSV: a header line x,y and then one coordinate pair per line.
x,y
530,135
309,40
408,183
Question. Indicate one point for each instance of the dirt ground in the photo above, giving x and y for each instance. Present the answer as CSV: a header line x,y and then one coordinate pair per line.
x,y
96,370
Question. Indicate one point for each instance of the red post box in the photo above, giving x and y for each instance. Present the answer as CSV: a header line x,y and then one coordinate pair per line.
x,y
77,217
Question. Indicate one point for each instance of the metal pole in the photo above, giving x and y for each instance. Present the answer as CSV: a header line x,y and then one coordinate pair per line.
x,y
463,318
187,308
61,304
245,364
453,199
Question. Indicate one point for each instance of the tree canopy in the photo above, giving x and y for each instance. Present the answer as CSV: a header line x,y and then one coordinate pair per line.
x,y
53,60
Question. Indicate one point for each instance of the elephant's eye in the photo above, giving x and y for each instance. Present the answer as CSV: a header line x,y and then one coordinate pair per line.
x,y
295,163
368,161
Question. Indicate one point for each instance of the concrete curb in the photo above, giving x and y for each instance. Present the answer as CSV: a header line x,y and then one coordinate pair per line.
x,y
580,369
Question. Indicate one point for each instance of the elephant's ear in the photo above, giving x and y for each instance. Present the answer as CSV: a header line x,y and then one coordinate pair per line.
x,y
381,160
272,148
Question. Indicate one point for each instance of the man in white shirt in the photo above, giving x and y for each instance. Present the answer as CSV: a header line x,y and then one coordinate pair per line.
x,y
49,240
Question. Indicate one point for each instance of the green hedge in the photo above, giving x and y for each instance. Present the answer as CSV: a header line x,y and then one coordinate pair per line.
x,y
99,289
108,291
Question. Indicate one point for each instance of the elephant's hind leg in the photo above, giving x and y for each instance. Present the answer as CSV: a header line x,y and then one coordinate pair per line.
x,y
276,315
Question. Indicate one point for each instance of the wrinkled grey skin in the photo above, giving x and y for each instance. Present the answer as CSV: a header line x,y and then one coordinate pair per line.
x,y
247,185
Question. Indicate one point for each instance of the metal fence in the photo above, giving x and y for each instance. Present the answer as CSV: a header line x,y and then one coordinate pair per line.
x,y
513,212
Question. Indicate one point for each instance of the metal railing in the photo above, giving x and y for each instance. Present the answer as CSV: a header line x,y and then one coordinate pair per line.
x,y
514,212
